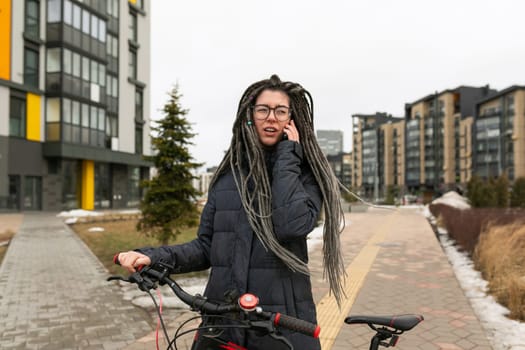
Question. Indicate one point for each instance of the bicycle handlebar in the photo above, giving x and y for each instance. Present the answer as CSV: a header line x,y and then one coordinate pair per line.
x,y
147,278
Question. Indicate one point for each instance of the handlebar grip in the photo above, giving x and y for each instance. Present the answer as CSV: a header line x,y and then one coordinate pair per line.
x,y
297,325
117,262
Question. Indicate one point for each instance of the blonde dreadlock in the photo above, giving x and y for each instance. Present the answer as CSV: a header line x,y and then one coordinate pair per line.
x,y
245,158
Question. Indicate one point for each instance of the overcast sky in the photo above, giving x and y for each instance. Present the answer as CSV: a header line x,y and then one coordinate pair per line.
x,y
353,56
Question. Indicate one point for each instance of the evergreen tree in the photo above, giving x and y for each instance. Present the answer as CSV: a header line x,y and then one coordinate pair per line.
x,y
517,197
170,200
501,191
475,188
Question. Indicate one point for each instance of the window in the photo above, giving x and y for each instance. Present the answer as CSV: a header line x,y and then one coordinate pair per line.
x,y
94,26
139,105
112,8
53,11
133,27
53,60
138,139
132,68
85,21
32,19
102,30
17,116
77,15
68,12
31,67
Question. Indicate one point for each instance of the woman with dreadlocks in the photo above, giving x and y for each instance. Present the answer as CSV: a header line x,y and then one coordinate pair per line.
x,y
264,199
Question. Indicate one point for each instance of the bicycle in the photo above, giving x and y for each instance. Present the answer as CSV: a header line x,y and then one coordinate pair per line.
x,y
387,328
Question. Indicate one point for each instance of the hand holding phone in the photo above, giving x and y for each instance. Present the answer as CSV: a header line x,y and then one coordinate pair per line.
x,y
290,132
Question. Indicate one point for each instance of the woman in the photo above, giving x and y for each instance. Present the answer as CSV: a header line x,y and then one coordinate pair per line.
x,y
264,199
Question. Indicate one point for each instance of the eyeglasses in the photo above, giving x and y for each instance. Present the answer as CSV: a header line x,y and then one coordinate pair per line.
x,y
261,112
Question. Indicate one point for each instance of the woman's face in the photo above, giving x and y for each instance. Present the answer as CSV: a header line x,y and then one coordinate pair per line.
x,y
277,104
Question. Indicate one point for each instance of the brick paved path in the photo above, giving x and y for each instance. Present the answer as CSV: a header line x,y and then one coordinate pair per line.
x,y
53,293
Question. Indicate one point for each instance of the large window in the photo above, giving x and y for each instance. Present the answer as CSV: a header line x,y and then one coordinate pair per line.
x,y
32,19
134,194
138,139
31,60
17,116
70,185
102,186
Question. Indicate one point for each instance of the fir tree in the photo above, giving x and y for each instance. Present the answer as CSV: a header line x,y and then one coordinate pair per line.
x,y
517,197
170,200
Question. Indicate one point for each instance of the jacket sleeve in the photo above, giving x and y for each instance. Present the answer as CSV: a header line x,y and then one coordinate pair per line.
x,y
191,256
296,196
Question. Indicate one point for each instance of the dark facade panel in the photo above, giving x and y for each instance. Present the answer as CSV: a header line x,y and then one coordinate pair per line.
x,y
25,157
61,150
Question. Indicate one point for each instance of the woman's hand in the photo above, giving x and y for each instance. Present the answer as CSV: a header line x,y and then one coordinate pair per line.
x,y
131,260
291,131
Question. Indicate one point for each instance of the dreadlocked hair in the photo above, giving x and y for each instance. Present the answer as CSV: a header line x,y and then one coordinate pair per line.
x,y
245,158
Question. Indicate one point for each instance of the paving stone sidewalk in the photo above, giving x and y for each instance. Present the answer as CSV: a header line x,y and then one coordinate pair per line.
x,y
410,274
53,293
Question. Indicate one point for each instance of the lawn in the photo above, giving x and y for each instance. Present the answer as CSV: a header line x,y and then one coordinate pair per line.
x,y
118,236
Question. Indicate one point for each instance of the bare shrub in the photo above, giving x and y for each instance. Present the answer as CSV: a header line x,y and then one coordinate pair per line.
x,y
464,226
500,257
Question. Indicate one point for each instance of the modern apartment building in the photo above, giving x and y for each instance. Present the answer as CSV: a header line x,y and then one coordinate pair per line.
x,y
330,141
392,154
74,102
370,150
434,124
499,134
341,164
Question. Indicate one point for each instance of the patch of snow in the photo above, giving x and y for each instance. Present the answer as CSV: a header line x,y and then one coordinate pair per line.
x,y
503,333
78,213
129,211
453,199
71,221
96,229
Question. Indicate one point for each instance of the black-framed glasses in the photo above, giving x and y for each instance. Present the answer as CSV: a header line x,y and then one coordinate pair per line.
x,y
281,113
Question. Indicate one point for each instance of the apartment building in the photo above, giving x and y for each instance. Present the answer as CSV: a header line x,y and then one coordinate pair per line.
x,y
341,164
330,141
74,102
392,154
369,152
435,126
499,134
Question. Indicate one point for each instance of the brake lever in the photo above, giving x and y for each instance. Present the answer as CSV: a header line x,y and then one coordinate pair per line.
x,y
144,283
117,278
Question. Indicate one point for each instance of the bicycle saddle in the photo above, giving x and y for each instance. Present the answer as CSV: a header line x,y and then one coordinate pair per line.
x,y
400,322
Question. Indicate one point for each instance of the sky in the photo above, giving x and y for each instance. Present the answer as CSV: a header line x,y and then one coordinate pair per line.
x,y
354,57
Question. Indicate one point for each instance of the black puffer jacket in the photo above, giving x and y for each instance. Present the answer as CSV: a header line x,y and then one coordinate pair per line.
x,y
239,262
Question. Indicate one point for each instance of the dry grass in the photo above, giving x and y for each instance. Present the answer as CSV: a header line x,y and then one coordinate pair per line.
x,y
500,256
495,238
118,236
5,237
465,226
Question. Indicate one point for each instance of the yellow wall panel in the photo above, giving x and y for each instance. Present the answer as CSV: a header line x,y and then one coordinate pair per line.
x,y
33,117
5,39
87,200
